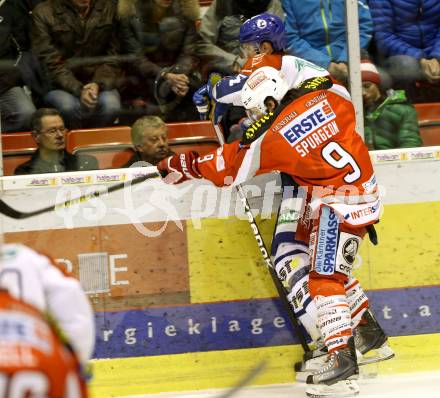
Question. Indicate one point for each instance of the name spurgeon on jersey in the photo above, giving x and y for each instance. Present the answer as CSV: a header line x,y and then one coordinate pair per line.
x,y
311,129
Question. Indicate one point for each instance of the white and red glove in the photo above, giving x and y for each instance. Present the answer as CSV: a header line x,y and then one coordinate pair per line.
x,y
179,168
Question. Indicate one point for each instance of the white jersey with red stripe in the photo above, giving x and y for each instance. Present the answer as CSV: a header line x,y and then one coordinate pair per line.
x,y
34,279
295,71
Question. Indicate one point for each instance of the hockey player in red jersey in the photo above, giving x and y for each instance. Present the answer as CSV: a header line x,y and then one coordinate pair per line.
x,y
266,35
310,136
47,328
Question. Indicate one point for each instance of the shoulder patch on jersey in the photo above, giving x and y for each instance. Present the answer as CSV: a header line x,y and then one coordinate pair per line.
x,y
257,129
315,83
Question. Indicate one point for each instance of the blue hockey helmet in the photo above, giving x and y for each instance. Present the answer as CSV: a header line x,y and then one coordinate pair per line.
x,y
264,27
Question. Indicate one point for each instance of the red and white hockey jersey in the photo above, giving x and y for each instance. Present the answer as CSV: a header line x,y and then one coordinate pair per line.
x,y
33,361
33,278
313,139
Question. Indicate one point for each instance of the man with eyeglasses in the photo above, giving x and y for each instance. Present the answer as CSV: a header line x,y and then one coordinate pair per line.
x,y
51,157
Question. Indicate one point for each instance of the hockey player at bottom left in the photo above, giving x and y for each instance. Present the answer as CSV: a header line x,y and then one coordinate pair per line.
x,y
47,331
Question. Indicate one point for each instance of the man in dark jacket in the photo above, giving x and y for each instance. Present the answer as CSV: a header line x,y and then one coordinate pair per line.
x,y
51,157
76,41
390,120
16,107
149,136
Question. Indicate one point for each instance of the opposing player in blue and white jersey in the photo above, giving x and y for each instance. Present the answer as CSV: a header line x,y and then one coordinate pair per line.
x,y
264,38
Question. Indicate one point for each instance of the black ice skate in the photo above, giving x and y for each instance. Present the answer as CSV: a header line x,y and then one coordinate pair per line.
x,y
333,378
339,365
371,341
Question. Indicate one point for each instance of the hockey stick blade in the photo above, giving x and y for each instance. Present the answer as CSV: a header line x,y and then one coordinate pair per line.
x,y
8,211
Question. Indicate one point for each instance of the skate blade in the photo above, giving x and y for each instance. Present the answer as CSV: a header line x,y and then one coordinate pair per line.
x,y
302,376
380,354
341,389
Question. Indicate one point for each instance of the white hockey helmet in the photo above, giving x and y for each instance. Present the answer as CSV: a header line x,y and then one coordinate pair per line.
x,y
264,82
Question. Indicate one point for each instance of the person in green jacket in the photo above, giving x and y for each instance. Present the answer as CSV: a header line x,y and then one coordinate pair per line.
x,y
390,120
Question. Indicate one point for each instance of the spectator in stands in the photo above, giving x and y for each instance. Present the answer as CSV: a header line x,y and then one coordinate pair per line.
x,y
407,33
76,42
316,32
390,120
149,136
16,106
51,157
160,35
218,43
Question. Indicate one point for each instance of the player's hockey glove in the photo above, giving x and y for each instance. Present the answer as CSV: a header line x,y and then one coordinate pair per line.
x,y
205,100
201,101
179,168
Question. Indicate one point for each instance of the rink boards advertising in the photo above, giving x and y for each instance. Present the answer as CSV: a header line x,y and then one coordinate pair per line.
x,y
192,281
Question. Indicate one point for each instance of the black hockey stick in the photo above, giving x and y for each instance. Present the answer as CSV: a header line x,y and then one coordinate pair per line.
x,y
246,380
8,211
261,245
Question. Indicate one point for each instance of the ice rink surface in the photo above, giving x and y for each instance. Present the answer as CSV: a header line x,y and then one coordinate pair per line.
x,y
414,385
